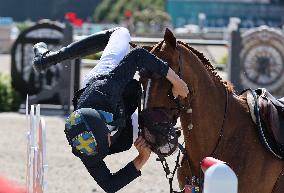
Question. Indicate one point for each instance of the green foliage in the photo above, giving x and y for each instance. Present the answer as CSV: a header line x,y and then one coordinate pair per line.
x,y
102,10
23,25
95,56
222,62
151,15
113,10
224,59
9,98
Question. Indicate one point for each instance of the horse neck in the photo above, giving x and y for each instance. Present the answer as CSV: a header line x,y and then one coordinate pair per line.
x,y
208,108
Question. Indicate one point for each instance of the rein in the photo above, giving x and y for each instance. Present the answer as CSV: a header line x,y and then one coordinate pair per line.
x,y
221,133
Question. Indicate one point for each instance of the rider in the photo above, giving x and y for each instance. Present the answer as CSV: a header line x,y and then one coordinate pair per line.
x,y
101,123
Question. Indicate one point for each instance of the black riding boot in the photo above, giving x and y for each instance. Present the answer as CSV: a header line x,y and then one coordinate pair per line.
x,y
94,43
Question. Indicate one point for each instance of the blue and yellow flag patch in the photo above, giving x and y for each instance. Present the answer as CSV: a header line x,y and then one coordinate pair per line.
x,y
85,143
74,119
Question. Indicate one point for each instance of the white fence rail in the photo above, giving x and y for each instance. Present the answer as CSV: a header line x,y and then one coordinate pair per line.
x,y
149,40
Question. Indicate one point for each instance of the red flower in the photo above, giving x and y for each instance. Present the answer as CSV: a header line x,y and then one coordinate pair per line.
x,y
71,16
78,22
127,13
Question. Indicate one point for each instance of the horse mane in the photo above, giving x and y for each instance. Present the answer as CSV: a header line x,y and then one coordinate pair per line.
x,y
209,67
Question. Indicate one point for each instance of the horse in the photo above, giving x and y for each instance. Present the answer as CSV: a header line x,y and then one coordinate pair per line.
x,y
215,121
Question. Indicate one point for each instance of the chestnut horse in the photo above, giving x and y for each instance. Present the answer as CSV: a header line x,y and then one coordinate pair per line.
x,y
216,122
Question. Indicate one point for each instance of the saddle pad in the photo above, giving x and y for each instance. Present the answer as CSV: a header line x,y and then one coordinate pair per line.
x,y
250,101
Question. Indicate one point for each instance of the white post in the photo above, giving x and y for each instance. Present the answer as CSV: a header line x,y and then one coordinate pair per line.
x,y
218,177
28,163
32,125
31,151
43,154
36,152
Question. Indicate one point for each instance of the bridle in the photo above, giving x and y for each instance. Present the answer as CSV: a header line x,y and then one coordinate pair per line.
x,y
180,104
183,106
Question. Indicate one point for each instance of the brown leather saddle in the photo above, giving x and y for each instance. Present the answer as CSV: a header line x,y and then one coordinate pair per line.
x,y
272,114
268,114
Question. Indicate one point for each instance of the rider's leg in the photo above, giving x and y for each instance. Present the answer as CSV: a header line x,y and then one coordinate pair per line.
x,y
116,49
91,44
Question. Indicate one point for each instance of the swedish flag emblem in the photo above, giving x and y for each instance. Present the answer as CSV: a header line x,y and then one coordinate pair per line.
x,y
85,143
73,119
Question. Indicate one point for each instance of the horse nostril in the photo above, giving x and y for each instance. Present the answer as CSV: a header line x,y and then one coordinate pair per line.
x,y
178,133
170,95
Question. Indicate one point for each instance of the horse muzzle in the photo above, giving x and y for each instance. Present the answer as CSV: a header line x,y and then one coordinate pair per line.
x,y
159,131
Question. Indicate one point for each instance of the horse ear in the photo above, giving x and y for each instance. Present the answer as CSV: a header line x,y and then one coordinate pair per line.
x,y
170,38
132,45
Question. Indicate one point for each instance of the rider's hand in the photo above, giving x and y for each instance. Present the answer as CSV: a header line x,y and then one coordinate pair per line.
x,y
144,151
180,89
179,86
142,147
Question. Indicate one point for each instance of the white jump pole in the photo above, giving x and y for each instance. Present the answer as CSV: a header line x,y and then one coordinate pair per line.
x,y
28,163
36,151
218,177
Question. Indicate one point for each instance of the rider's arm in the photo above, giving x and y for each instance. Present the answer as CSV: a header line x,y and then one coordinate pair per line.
x,y
144,151
114,182
111,182
179,86
136,60
140,58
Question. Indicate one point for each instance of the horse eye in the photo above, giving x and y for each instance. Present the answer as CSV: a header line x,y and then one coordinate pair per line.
x,y
144,73
156,76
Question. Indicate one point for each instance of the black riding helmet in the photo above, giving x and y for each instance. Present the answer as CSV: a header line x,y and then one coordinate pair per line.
x,y
87,133
90,126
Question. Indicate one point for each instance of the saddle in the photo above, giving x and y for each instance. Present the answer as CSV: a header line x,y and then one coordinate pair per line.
x,y
272,114
268,114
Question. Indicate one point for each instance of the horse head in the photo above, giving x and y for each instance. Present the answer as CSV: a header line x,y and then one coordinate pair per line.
x,y
206,87
156,87
192,67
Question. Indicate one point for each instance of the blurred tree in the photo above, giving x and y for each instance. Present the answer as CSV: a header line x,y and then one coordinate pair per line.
x,y
102,10
114,10
151,20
